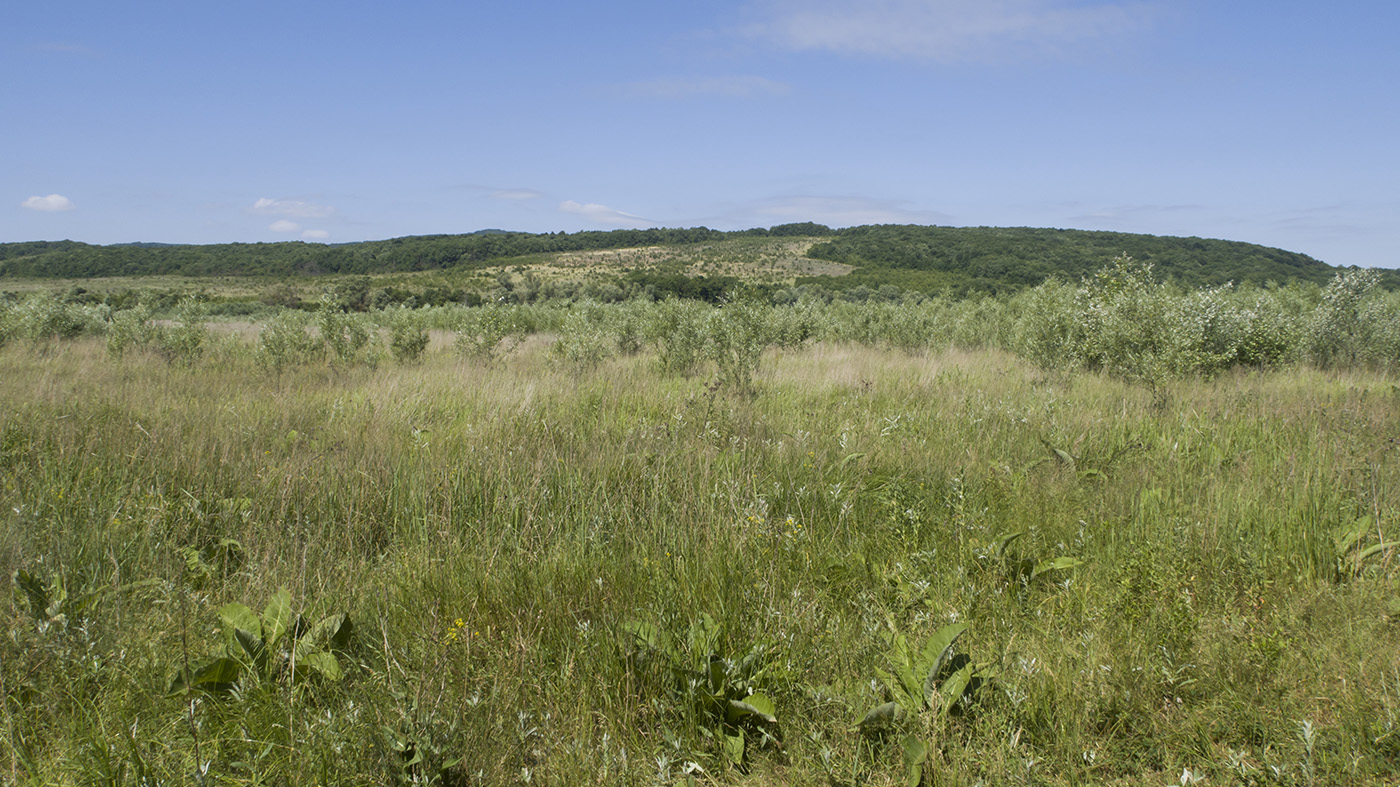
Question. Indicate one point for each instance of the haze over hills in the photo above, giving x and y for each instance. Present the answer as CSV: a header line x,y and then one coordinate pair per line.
x,y
915,257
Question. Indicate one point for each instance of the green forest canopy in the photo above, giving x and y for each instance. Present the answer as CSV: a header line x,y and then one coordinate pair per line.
x,y
924,258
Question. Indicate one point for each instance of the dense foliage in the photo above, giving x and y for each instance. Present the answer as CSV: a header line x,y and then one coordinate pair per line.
x,y
924,259
994,259
69,259
1122,320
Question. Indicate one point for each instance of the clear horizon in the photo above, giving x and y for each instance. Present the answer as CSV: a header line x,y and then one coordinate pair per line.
x,y
165,122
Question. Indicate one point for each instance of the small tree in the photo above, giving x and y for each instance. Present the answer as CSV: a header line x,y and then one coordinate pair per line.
x,y
1339,334
408,336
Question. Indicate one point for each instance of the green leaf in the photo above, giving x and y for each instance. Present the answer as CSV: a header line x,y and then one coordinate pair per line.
x,y
277,617
892,684
253,647
914,754
717,674
937,651
734,749
903,663
1005,541
953,688
881,718
329,633
237,616
761,703
739,711
216,676
645,633
1055,564
36,592
320,663
704,635
1346,538
1375,549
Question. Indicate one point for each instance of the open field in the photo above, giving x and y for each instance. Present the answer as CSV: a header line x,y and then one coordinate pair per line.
x,y
555,572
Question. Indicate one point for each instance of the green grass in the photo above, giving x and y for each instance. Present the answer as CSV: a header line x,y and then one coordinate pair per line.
x,y
855,494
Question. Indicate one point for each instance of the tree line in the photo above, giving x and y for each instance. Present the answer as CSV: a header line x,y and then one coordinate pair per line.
x,y
928,259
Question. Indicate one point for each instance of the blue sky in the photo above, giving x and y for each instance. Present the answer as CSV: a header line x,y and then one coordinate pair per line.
x,y
193,122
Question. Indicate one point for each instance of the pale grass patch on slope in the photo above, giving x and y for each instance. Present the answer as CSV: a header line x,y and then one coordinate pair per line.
x,y
782,259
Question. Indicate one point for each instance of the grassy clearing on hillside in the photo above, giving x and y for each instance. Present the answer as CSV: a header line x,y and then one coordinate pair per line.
x,y
560,573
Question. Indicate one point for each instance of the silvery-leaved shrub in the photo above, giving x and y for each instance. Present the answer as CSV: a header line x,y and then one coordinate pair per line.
x,y
676,328
1124,322
626,322
1049,332
794,323
971,323
1341,332
1268,330
130,329
408,334
586,339
184,341
735,337
345,334
286,341
487,333
49,316
1381,313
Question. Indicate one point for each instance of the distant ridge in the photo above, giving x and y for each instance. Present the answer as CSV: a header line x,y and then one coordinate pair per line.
x,y
916,257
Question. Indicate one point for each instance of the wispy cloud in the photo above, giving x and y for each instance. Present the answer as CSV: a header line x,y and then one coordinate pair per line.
x,y
1143,218
603,214
723,87
833,211
947,31
315,234
291,208
282,225
516,195
51,204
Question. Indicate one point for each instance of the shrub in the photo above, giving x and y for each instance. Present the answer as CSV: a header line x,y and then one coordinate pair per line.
x,y
408,335
736,336
285,341
586,339
183,343
345,334
676,328
130,329
487,333
1341,332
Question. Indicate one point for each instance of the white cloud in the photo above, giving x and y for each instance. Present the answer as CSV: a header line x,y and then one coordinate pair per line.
x,y
516,195
605,215
315,234
282,225
51,203
292,208
948,31
724,87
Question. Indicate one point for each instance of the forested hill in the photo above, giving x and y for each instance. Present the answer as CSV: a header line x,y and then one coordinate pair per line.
x,y
1002,259
930,259
68,259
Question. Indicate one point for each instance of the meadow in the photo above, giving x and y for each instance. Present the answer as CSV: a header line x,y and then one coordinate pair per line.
x,y
1104,535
